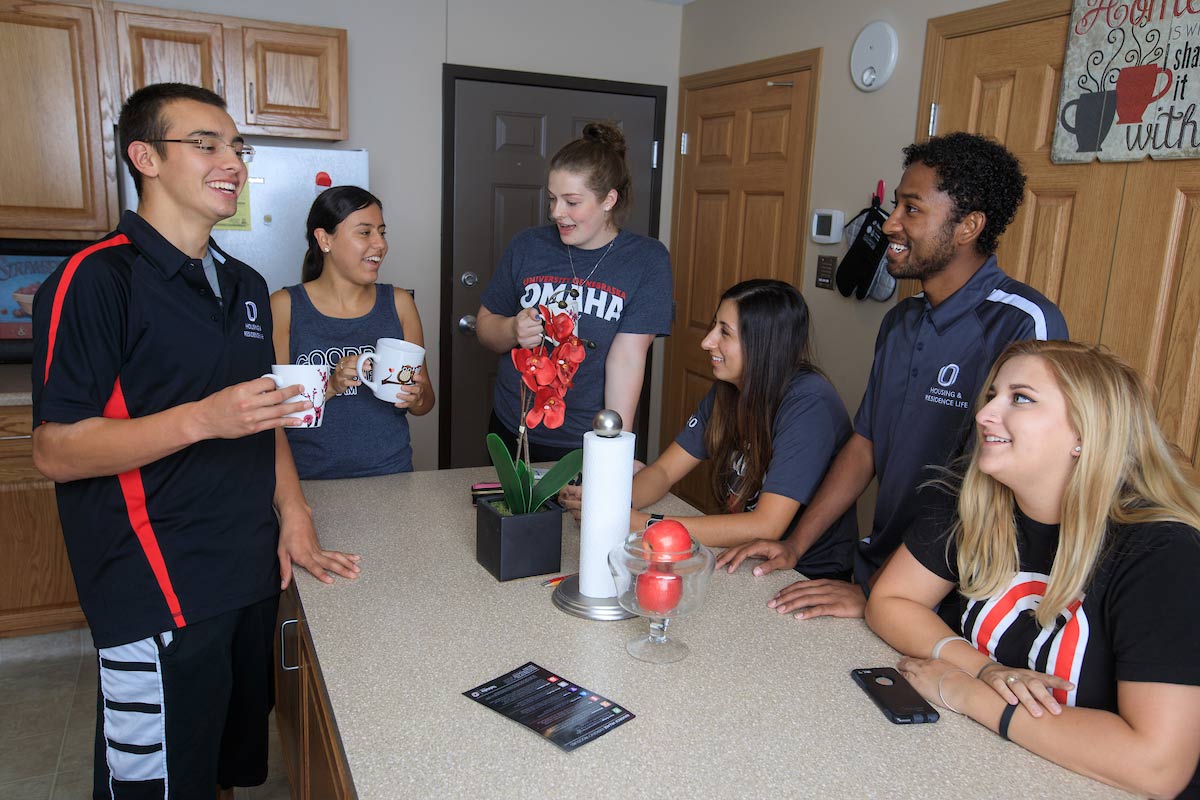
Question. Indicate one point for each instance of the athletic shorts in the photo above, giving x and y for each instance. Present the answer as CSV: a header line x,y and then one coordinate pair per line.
x,y
184,711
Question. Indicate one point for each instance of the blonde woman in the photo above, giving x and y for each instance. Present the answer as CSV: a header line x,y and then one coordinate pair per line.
x,y
1074,547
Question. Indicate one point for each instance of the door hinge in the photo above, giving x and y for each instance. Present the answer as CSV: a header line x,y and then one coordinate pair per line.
x,y
654,154
683,144
933,111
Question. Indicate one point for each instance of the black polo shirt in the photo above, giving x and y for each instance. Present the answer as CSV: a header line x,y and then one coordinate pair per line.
x,y
930,365
126,328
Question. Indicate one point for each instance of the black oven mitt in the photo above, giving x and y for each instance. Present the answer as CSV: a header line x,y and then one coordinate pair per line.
x,y
858,266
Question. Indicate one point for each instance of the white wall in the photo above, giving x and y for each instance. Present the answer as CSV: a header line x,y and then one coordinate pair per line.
x,y
396,51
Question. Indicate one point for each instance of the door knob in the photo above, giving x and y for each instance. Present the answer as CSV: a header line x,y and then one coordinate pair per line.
x,y
466,324
469,279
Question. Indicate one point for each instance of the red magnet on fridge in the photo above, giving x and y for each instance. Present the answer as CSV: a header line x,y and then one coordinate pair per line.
x,y
323,181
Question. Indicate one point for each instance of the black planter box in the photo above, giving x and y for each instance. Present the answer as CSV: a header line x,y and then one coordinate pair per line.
x,y
518,546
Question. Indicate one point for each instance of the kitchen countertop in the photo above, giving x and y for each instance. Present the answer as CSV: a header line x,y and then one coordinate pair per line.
x,y
16,388
763,705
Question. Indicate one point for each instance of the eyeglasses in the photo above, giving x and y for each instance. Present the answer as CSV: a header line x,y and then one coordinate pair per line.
x,y
213,146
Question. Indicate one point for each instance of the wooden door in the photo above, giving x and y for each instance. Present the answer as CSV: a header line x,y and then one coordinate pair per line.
x,y
54,176
289,688
504,128
295,81
742,196
1152,316
155,49
1117,245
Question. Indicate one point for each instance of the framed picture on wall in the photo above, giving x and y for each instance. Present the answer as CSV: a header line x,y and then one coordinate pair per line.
x,y
24,265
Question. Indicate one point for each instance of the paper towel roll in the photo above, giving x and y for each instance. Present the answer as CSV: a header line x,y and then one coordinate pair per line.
x,y
604,524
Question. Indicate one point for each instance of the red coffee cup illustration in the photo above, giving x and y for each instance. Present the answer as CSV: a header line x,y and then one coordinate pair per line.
x,y
1136,90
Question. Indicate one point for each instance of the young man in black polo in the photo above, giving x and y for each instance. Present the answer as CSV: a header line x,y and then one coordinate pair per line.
x,y
167,449
932,354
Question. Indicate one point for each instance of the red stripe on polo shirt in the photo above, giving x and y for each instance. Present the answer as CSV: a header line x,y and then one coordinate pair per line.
x,y
60,292
135,506
1068,650
1004,607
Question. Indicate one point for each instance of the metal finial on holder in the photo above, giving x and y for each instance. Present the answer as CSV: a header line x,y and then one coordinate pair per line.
x,y
606,425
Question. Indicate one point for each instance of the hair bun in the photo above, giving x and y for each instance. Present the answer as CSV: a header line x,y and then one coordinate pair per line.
x,y
605,134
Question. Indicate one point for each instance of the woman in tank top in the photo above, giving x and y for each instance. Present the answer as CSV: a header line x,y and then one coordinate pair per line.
x,y
338,312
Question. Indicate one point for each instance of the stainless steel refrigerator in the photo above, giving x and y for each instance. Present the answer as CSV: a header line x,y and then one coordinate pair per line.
x,y
268,231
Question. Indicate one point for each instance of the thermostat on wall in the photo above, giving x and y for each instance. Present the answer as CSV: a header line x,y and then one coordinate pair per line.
x,y
827,226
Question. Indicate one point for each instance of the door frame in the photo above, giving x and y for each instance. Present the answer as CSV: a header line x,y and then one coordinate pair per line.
x,y
455,72
753,70
965,23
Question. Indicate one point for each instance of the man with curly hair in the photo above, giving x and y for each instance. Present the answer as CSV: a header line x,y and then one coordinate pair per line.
x,y
958,194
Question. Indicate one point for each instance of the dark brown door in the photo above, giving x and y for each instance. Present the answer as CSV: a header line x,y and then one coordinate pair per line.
x,y
501,131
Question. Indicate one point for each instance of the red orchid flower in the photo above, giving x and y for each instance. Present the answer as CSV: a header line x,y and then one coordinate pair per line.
x,y
536,368
570,349
564,366
548,408
558,326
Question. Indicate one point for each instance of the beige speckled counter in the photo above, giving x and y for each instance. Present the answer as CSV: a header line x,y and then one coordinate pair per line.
x,y
763,706
15,385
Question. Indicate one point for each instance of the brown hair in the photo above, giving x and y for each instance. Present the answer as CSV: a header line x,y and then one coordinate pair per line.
x,y
599,156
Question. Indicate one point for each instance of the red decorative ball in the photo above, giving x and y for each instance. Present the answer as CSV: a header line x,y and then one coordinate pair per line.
x,y
667,541
659,592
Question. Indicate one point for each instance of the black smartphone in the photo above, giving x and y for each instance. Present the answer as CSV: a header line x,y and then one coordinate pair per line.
x,y
894,695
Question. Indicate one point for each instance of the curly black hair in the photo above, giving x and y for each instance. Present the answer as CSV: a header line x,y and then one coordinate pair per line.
x,y
979,174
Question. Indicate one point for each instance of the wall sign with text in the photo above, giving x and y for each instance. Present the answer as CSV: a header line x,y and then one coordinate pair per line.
x,y
1130,82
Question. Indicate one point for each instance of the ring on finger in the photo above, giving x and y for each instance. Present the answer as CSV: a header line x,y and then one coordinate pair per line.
x,y
1011,679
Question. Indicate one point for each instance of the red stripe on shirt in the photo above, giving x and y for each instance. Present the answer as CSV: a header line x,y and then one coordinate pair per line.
x,y
1004,607
60,292
139,519
1068,647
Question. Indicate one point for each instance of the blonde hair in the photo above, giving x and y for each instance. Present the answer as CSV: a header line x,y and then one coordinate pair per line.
x,y
1126,473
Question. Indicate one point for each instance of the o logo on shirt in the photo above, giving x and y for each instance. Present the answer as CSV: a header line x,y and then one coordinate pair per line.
x,y
948,375
693,422
251,311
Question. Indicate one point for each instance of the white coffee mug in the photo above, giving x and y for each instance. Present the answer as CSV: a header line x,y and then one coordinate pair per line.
x,y
314,379
394,364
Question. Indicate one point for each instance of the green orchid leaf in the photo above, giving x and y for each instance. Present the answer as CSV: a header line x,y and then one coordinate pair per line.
x,y
525,478
558,477
506,472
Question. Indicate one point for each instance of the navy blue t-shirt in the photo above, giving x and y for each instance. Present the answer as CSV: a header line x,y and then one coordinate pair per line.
x,y
360,435
929,368
629,291
809,428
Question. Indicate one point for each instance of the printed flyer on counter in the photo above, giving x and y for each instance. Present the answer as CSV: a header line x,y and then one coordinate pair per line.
x,y
561,711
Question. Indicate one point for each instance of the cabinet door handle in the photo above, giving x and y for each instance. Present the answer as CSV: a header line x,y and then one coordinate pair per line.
x,y
282,663
16,436
252,97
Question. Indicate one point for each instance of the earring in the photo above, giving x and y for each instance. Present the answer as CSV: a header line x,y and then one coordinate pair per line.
x,y
607,209
1078,449
325,249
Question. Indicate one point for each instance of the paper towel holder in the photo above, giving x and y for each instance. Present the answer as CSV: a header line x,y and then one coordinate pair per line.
x,y
567,597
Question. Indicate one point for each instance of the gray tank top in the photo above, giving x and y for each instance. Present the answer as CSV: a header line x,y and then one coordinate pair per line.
x,y
360,435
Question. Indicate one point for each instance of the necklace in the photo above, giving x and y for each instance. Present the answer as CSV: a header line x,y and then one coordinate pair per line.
x,y
575,282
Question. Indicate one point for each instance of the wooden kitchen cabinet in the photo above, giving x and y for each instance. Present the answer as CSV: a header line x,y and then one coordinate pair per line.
x,y
312,750
278,79
37,591
59,178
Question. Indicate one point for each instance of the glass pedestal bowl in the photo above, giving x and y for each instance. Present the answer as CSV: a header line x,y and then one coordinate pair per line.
x,y
660,584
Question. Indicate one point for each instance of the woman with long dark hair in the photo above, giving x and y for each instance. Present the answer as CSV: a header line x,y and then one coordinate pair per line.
x,y
771,424
1072,541
615,285
338,312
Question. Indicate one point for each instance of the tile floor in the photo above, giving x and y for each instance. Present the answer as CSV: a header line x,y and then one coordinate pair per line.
x,y
48,718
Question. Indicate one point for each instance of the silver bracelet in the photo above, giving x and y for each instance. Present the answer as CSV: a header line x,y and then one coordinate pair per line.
x,y
942,697
937,648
